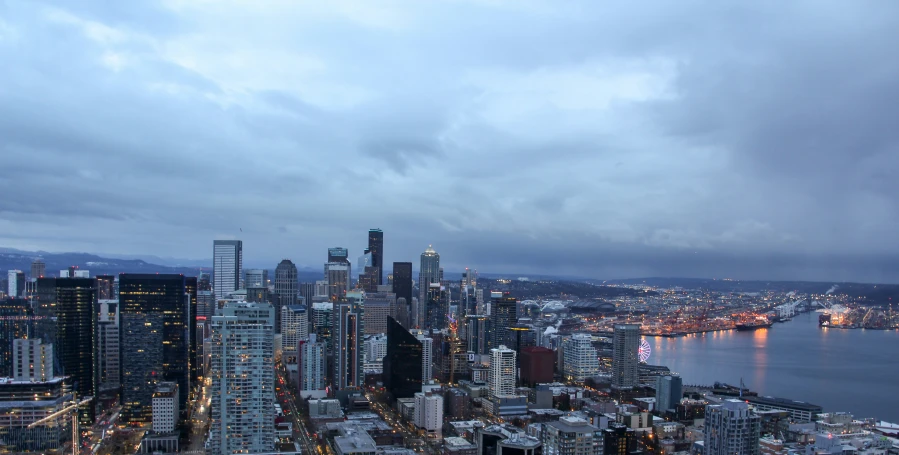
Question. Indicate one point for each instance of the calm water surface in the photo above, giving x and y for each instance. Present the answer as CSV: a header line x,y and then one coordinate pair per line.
x,y
842,370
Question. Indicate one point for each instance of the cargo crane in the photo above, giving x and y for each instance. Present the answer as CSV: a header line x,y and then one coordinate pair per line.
x,y
71,407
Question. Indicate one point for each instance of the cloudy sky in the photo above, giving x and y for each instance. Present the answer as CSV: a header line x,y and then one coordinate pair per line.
x,y
602,139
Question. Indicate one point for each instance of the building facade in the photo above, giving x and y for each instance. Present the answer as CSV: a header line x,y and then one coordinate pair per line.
x,y
537,365
243,383
286,286
731,428
312,360
75,332
625,344
669,392
581,361
32,360
503,311
294,327
502,371
428,272
572,436
227,265
402,288
154,337
429,413
402,362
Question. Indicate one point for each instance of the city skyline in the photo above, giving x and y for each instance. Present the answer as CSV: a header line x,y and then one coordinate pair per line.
x,y
710,142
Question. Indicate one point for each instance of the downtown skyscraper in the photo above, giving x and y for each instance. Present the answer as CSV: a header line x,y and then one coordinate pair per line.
x,y
403,363
156,326
73,302
731,428
503,311
625,344
286,289
428,273
227,266
402,287
243,379
347,342
376,248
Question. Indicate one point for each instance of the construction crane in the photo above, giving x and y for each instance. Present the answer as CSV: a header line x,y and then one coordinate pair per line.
x,y
71,407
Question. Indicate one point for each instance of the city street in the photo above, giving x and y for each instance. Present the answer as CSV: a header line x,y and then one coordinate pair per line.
x,y
288,400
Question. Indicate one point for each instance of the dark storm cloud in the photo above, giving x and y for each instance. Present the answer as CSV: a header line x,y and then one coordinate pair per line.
x,y
602,140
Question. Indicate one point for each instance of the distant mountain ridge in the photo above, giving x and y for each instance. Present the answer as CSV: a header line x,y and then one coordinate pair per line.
x,y
12,259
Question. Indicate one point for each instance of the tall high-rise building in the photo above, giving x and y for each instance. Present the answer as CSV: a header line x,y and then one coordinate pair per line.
x,y
427,357
618,439
294,327
243,381
322,321
155,336
206,304
106,288
503,311
669,392
16,284
476,333
625,344
403,362
108,350
32,360
536,365
348,329
428,273
339,255
194,343
227,267
16,321
501,379
312,360
203,282
338,276
437,307
731,429
376,248
286,290
378,307
255,278
38,269
307,292
429,413
76,317
368,279
580,359
256,285
402,287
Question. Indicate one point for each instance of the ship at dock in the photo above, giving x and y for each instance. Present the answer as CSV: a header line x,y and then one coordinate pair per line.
x,y
753,325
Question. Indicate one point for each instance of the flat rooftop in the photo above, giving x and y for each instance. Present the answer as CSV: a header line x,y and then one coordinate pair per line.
x,y
784,403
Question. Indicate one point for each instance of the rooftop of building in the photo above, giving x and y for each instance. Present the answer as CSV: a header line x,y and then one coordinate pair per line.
x,y
355,441
458,443
573,424
296,308
11,381
774,402
466,424
165,390
520,440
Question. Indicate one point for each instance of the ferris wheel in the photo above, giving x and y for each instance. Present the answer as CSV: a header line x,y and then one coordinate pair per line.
x,y
644,351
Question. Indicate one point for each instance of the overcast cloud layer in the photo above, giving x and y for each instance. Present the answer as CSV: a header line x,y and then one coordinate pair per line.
x,y
599,139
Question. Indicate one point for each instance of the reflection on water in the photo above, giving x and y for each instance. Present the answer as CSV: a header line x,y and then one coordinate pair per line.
x,y
841,370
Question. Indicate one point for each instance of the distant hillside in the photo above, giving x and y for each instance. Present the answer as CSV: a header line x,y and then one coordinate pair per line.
x,y
881,294
11,259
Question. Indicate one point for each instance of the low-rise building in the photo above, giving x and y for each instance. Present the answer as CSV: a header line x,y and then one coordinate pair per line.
x,y
459,446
